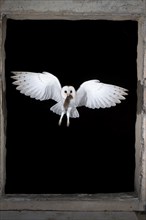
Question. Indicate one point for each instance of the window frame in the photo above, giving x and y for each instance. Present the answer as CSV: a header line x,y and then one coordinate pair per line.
x,y
135,201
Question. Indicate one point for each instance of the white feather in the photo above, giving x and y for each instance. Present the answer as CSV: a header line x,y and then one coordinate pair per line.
x,y
57,108
40,86
94,94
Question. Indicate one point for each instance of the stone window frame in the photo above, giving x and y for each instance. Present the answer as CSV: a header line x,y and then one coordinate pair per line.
x,y
75,10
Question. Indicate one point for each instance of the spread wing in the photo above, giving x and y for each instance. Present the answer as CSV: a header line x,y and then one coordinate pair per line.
x,y
94,94
40,86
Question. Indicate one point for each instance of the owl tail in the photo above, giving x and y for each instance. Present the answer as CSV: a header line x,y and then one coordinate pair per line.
x,y
58,109
74,113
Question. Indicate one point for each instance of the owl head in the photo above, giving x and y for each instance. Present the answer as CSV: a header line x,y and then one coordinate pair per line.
x,y
68,90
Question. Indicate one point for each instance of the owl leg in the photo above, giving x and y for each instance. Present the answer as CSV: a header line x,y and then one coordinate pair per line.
x,y
68,114
60,120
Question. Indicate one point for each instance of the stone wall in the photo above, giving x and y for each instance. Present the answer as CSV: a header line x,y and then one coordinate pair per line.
x,y
81,9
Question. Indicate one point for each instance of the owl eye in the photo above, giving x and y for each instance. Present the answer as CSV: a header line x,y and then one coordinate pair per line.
x,y
65,91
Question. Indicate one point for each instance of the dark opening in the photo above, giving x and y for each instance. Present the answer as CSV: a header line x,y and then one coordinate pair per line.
x,y
96,153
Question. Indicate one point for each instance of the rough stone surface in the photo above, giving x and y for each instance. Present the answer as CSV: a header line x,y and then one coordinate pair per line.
x,y
72,7
68,215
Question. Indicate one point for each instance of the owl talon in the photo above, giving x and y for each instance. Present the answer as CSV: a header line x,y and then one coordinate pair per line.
x,y
59,123
68,123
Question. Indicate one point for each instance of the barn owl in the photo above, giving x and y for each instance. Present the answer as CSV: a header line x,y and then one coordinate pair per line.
x,y
92,93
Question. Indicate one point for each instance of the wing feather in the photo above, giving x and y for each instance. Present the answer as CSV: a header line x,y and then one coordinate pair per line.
x,y
94,94
40,86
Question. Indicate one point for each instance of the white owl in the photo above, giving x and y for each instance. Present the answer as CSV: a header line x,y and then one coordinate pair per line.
x,y
92,94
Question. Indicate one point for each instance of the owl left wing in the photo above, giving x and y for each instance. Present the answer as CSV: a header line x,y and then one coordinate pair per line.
x,y
94,94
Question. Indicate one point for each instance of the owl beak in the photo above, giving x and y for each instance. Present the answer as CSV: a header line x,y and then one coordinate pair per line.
x,y
69,96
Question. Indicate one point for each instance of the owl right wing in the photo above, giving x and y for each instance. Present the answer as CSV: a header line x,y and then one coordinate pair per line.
x,y
40,86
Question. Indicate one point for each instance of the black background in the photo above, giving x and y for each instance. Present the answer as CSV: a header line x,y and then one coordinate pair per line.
x,y
96,153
